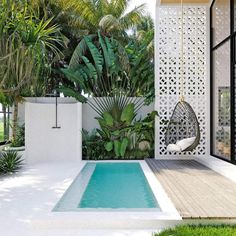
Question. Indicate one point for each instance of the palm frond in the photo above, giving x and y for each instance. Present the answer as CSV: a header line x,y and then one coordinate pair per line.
x,y
96,55
79,51
109,23
133,17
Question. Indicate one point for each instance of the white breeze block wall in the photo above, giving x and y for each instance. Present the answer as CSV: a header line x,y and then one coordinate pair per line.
x,y
43,143
196,68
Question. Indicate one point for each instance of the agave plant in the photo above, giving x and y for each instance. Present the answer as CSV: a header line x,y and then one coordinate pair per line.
x,y
10,162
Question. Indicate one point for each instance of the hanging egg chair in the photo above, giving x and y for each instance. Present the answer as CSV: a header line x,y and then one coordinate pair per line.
x,y
183,131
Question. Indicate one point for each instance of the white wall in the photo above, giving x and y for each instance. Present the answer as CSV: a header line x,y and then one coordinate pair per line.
x,y
89,123
43,143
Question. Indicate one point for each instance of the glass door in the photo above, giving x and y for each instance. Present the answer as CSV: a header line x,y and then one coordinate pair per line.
x,y
222,79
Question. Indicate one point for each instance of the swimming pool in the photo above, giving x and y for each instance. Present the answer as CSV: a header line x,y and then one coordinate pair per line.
x,y
109,186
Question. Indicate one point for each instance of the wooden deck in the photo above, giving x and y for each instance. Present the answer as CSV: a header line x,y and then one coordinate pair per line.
x,y
196,191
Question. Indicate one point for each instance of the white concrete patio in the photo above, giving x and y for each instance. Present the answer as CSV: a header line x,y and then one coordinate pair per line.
x,y
28,197
26,201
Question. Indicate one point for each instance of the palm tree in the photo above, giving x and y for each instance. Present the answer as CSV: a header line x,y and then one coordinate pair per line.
x,y
25,42
83,17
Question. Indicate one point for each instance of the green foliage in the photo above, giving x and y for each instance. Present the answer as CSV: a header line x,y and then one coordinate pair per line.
x,y
107,119
114,125
94,66
103,66
109,146
128,114
123,136
10,162
19,140
26,44
93,146
140,50
121,141
143,134
203,230
123,146
20,27
86,17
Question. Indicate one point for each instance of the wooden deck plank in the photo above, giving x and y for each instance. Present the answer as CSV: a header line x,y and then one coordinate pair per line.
x,y
196,190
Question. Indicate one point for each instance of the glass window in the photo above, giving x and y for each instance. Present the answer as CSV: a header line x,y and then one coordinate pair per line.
x,y
222,104
220,20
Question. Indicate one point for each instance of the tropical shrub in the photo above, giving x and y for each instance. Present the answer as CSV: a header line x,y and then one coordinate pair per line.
x,y
101,66
115,125
10,162
96,68
19,140
143,136
93,146
121,136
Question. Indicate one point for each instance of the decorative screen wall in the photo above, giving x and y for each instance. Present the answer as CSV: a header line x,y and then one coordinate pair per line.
x,y
168,44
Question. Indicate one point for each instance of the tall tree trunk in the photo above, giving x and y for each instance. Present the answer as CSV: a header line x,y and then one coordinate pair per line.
x,y
15,116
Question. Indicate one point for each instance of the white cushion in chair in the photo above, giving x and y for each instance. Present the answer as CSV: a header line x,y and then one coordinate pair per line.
x,y
173,148
185,143
181,145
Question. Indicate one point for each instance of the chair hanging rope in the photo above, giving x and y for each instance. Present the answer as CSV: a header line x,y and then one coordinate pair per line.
x,y
183,131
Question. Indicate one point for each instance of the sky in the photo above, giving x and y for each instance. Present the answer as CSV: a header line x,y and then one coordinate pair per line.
x,y
150,5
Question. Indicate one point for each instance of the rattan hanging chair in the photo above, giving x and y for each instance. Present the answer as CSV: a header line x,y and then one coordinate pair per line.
x,y
183,126
183,132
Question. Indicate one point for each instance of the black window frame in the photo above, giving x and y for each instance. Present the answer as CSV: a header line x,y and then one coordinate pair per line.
x,y
232,38
7,113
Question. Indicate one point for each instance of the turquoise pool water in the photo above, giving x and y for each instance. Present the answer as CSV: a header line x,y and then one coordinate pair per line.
x,y
108,186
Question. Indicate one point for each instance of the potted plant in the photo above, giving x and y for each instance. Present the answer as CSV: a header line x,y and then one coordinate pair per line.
x,y
220,134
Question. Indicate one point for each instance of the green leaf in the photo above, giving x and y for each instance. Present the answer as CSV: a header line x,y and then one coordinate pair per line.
x,y
79,52
108,118
111,54
105,52
68,92
74,76
97,56
102,133
116,133
109,146
91,69
101,121
128,114
117,147
123,146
